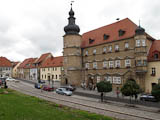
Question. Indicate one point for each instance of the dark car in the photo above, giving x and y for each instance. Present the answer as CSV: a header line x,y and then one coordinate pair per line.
x,y
42,81
148,97
69,87
38,85
47,88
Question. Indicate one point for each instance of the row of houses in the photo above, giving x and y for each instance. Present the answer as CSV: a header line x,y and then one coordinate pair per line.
x,y
46,67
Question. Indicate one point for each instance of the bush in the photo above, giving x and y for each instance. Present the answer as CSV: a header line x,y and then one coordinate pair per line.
x,y
104,86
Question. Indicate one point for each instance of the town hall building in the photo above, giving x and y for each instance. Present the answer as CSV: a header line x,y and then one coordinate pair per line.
x,y
115,52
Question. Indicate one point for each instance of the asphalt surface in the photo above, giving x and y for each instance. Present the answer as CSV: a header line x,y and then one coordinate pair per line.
x,y
109,98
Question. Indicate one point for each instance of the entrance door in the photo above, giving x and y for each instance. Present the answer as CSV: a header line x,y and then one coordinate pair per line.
x,y
153,84
49,79
66,81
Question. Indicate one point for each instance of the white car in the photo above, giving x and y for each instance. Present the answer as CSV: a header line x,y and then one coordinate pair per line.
x,y
63,91
11,79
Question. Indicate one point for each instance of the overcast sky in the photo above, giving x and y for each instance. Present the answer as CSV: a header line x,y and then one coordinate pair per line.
x,y
29,28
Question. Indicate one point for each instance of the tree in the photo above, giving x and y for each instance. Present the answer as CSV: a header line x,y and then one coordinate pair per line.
x,y
156,91
130,88
104,86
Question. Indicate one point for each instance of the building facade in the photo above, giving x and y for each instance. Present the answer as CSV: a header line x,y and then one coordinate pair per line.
x,y
15,70
153,75
37,64
115,53
5,67
51,69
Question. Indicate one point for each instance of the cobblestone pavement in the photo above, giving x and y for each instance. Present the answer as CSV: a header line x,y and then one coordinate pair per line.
x,y
142,111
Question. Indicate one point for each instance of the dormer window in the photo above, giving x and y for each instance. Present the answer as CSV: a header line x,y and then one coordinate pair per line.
x,y
156,56
105,37
94,51
91,41
121,32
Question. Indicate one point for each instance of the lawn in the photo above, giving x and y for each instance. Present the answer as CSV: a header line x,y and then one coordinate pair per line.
x,y
17,106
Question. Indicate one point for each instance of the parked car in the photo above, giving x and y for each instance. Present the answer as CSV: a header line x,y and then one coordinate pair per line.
x,y
69,87
63,91
148,97
38,85
42,81
47,88
11,79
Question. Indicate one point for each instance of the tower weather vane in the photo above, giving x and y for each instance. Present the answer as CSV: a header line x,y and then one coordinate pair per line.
x,y
71,3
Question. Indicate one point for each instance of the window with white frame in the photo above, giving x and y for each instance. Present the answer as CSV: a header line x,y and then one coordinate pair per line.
x,y
94,65
143,42
111,64
87,65
110,48
105,64
138,43
116,80
98,79
109,78
126,45
117,64
104,49
116,47
86,53
128,63
94,51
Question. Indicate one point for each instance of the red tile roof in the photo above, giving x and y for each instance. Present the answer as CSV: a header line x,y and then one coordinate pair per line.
x,y
30,63
112,30
155,48
53,62
4,62
14,63
42,57
25,62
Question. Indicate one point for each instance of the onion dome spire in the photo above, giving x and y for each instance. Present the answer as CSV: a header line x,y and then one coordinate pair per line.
x,y
140,30
71,28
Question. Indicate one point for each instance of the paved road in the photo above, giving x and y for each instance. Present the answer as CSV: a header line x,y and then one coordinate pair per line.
x,y
108,96
151,113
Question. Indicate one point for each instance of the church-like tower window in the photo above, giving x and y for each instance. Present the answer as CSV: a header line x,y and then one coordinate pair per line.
x,y
138,43
143,42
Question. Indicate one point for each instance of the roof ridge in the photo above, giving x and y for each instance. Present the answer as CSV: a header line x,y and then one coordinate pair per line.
x,y
109,25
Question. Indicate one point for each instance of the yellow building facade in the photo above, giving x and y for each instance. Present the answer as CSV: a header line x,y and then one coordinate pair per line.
x,y
51,69
152,76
